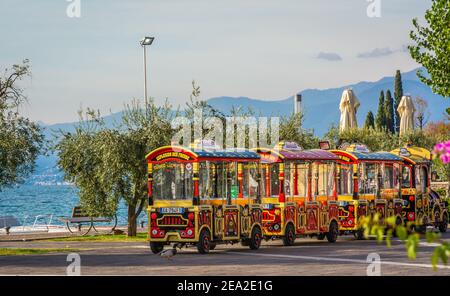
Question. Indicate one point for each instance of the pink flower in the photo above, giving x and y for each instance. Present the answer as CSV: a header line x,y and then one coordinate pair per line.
x,y
439,147
445,158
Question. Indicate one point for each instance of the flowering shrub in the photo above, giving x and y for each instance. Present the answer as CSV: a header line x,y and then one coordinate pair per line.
x,y
443,149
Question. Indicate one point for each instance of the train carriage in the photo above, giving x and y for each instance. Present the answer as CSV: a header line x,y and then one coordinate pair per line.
x,y
368,183
203,196
298,193
421,206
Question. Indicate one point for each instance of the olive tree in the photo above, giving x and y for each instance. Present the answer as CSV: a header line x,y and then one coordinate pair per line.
x,y
108,164
21,140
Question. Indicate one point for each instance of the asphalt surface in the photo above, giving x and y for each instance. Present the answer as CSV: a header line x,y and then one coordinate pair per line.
x,y
307,257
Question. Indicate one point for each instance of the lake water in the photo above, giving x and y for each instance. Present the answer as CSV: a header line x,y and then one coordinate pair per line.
x,y
32,200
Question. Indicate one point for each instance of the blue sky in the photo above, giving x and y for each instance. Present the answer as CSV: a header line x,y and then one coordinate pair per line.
x,y
256,48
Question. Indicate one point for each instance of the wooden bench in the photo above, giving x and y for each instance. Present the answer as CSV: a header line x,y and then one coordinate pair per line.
x,y
79,217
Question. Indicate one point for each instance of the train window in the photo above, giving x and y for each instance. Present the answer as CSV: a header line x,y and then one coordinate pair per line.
x,y
345,180
233,185
421,178
212,183
264,169
289,170
323,180
274,180
302,179
406,177
390,176
250,180
173,181
367,178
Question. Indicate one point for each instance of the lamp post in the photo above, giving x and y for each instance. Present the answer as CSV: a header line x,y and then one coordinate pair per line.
x,y
144,43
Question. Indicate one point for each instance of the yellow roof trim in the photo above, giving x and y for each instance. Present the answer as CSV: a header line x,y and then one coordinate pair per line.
x,y
173,147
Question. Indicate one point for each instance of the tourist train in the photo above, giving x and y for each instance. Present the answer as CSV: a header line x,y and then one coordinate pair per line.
x,y
203,196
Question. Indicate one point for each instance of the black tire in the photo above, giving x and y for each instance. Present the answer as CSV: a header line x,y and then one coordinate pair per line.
x,y
422,229
444,223
255,239
398,222
289,235
204,242
333,232
156,247
359,234
321,236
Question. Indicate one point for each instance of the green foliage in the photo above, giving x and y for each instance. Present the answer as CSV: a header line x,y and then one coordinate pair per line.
x,y
378,140
373,226
291,130
432,47
21,140
398,94
380,120
108,164
34,251
374,139
389,112
370,121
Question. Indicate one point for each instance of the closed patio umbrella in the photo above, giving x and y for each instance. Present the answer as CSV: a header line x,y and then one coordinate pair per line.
x,y
348,106
406,111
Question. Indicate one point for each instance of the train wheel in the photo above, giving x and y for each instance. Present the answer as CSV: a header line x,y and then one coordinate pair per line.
x,y
289,235
204,242
156,247
398,222
359,234
255,239
321,236
444,223
422,229
332,233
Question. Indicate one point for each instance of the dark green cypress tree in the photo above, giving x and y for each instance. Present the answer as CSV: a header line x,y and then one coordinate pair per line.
x,y
389,112
370,121
380,121
398,94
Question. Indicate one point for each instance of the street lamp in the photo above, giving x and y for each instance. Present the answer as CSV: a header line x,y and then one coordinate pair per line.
x,y
146,41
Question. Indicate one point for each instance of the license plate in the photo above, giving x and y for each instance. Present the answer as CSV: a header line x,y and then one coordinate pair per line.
x,y
267,206
171,210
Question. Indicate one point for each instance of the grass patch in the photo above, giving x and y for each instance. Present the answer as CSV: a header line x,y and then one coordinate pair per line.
x,y
21,251
140,237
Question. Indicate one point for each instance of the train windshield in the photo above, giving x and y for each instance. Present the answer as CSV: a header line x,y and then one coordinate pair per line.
x,y
173,181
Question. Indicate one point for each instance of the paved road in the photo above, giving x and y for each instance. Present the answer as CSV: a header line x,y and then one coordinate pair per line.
x,y
307,257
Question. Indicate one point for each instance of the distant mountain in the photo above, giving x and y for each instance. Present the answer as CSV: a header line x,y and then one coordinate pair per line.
x,y
320,108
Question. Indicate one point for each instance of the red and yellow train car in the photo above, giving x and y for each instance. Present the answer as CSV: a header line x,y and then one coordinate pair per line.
x,y
203,196
298,193
422,206
368,183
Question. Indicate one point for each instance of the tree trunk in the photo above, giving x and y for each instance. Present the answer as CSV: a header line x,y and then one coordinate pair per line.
x,y
132,225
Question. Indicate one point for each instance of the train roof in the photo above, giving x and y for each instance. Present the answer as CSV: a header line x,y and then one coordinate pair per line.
x,y
368,156
178,153
298,154
413,155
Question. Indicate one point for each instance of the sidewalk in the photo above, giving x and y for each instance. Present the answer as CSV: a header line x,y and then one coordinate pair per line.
x,y
49,235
